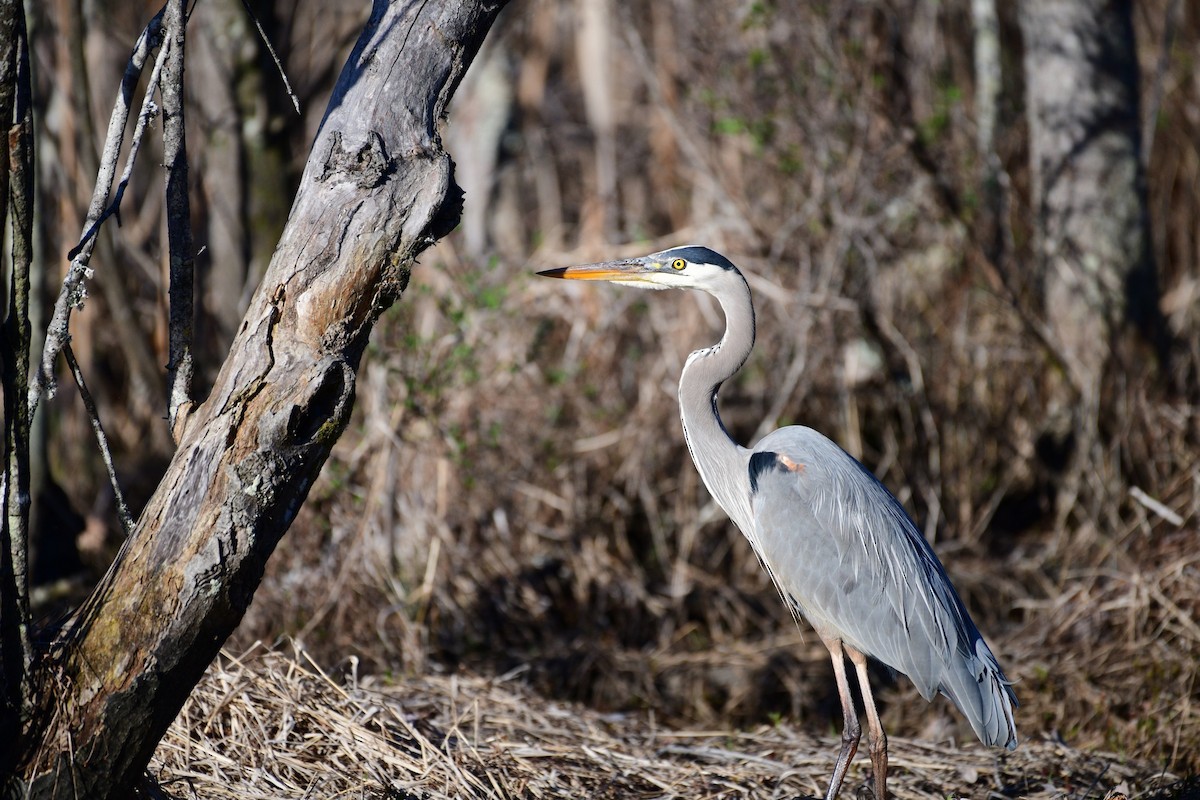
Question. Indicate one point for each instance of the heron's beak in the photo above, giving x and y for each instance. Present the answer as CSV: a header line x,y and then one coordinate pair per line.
x,y
627,270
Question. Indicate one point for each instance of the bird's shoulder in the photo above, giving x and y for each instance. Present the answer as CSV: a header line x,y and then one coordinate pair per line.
x,y
803,471
810,456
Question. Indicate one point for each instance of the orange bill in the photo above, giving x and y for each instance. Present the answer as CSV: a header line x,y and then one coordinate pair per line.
x,y
604,271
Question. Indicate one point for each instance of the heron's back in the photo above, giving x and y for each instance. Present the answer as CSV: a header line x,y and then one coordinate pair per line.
x,y
843,551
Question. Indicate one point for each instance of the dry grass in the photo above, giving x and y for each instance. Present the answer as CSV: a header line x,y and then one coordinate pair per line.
x,y
274,724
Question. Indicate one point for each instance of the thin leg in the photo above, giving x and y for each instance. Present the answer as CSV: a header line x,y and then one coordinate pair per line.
x,y
876,740
851,731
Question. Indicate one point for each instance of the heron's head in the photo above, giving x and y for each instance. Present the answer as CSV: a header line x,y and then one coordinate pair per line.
x,y
690,267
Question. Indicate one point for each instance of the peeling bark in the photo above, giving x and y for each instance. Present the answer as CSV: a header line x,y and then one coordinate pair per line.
x,y
378,189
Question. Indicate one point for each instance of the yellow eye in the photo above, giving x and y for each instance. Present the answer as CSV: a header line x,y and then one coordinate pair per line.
x,y
678,263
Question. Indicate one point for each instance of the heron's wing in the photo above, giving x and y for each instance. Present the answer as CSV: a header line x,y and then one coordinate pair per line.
x,y
842,549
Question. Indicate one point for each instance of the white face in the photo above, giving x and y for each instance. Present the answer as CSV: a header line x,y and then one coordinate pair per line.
x,y
669,270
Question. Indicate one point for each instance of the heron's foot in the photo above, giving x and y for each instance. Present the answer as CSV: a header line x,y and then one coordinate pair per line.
x,y
850,738
877,747
863,791
868,789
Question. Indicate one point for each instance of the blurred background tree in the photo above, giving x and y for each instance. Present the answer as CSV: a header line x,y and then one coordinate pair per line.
x,y
1092,227
976,260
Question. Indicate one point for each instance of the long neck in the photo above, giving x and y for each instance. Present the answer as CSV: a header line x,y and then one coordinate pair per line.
x,y
719,459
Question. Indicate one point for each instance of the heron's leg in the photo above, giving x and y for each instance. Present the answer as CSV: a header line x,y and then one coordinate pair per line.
x,y
851,731
876,740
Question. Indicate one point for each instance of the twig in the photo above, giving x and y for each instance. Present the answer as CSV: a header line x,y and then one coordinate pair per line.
x,y
695,153
1154,102
1154,505
179,225
73,291
278,64
102,440
148,111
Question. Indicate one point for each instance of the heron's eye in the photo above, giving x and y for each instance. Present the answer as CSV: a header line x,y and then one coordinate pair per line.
x,y
678,263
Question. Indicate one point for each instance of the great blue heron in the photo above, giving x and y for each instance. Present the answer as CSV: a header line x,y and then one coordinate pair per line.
x,y
838,545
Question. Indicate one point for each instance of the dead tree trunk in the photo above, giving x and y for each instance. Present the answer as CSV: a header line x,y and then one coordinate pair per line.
x,y
377,190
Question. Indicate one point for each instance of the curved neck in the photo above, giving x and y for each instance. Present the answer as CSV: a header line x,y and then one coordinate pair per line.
x,y
719,459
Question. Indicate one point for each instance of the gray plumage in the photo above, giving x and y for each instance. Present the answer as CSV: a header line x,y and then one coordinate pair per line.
x,y
844,552
838,545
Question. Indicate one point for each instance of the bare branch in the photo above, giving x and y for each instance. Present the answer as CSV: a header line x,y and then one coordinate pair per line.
x,y
179,224
16,651
101,439
73,291
270,49
149,110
